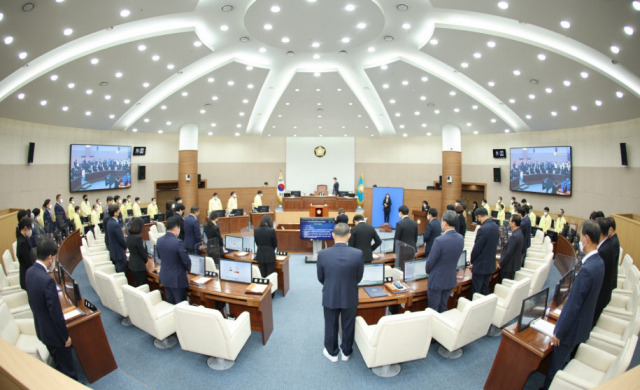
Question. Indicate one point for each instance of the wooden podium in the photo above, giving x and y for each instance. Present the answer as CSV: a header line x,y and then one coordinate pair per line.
x,y
318,210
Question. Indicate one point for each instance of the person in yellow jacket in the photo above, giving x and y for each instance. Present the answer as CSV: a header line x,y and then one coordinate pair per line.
x,y
152,209
486,206
512,207
129,203
532,216
560,222
71,209
123,209
96,215
215,203
498,204
77,223
136,208
99,203
85,206
257,200
232,203
501,215
545,220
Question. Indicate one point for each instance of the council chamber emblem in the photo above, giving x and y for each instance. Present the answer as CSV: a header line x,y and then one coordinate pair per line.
x,y
320,151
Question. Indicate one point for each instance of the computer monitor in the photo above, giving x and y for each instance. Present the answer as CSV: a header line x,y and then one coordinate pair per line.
x,y
533,308
462,261
220,213
373,275
386,246
129,213
415,270
160,217
553,235
296,193
343,193
494,214
563,287
197,265
404,252
70,287
263,209
233,243
236,212
420,241
143,210
146,219
235,271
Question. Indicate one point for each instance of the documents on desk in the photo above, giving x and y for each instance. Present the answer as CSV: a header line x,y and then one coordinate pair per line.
x,y
200,280
376,291
280,257
241,254
73,313
543,326
256,289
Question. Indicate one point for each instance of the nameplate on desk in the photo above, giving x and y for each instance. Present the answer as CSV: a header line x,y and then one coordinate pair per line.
x,y
388,279
248,250
90,305
211,274
281,253
376,291
260,280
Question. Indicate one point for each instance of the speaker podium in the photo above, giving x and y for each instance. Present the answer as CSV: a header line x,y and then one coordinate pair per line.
x,y
318,210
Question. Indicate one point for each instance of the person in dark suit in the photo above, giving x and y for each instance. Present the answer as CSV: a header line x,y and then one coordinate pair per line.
x,y
342,217
266,241
23,248
576,319
461,220
138,255
214,238
61,217
340,269
50,325
609,252
386,208
525,227
511,255
192,236
117,243
425,206
175,263
406,229
336,187
433,230
49,225
361,236
179,213
169,212
441,263
483,254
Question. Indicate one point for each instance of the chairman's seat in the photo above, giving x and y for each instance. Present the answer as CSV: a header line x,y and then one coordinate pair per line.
x,y
110,292
205,331
509,304
21,332
151,314
394,339
469,321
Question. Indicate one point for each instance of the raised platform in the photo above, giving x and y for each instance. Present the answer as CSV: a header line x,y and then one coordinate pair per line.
x,y
293,217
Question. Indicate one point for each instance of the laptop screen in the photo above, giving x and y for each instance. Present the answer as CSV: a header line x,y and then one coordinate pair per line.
x,y
235,271
415,270
373,275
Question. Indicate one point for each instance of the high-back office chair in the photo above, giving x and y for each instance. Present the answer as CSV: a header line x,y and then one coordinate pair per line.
x,y
623,305
92,240
509,303
151,314
95,245
531,264
21,333
10,266
110,287
273,277
97,263
538,238
322,189
9,283
615,331
18,303
538,277
14,247
463,325
161,228
205,331
394,339
592,366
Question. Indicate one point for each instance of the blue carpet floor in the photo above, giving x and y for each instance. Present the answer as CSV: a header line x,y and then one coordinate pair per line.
x,y
292,357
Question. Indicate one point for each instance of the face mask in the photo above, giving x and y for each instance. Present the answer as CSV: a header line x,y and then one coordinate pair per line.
x,y
545,213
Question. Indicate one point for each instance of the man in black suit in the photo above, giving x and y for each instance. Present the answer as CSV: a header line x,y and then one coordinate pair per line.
x,y
117,243
442,261
175,263
510,258
336,187
105,220
483,255
192,236
50,325
340,269
609,251
406,228
179,212
342,217
575,322
61,217
361,236
433,231
525,227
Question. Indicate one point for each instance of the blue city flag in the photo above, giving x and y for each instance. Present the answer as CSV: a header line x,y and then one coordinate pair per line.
x,y
360,191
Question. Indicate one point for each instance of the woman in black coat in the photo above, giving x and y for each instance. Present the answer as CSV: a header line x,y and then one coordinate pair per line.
x,y
266,241
386,208
23,248
138,255
461,223
214,238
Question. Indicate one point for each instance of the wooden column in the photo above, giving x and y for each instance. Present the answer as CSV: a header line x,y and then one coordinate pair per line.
x,y
188,190
451,166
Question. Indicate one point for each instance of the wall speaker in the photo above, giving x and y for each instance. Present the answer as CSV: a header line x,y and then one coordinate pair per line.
x,y
199,180
32,149
623,153
142,172
496,175
440,181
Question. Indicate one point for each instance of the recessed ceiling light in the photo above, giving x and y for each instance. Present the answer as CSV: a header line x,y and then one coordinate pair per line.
x,y
67,31
388,38
65,108
1,16
126,101
142,47
89,91
250,86
503,5
452,93
424,125
27,7
245,101
636,5
203,111
241,113
111,116
464,64
384,67
429,134
392,101
516,72
315,44
43,103
230,83
21,95
423,98
493,120
125,13
512,101
433,41
244,39
475,132
477,55
87,113
316,56
8,40
402,7
491,44
53,77
542,57
405,82
145,85
528,116
532,96
213,124
197,43
397,114
185,93
210,133
474,107
385,86
628,30
350,7
491,83
548,90
619,94
406,26
316,74
107,97
574,108
506,130
118,75
405,135
155,57
22,55
224,27
361,25
424,79
285,40
565,24
94,61
262,50
437,112
160,131
416,113
135,129
146,120
371,49
71,85
584,75
275,9
163,107
211,80
170,66
598,103
345,40
566,83
227,8
554,113
534,81
614,49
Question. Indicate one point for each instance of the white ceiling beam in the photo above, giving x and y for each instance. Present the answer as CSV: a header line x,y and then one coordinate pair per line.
x,y
272,90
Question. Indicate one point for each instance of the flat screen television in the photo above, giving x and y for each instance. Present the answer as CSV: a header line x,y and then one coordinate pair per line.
x,y
415,270
235,271
312,228
99,167
541,170
533,308
373,275
236,212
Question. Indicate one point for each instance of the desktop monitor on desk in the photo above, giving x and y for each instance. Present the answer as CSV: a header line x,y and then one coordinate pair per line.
x,y
343,193
236,212
129,213
462,261
219,213
235,271
160,217
386,246
533,308
146,219
143,210
69,286
197,264
263,209
415,270
373,275
296,193
233,243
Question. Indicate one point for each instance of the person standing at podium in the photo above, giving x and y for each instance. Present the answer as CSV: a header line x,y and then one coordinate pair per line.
x,y
232,203
267,242
386,208
336,187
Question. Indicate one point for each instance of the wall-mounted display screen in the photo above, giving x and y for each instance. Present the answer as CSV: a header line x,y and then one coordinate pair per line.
x,y
316,228
99,167
545,170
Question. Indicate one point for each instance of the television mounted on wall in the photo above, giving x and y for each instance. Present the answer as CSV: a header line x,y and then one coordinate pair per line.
x,y
541,170
99,167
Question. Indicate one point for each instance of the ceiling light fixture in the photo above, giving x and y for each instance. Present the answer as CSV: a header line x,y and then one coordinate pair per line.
x,y
503,5
615,49
230,83
94,61
533,81
22,55
345,40
53,77
125,13
89,91
244,39
406,26
28,7
71,85
464,64
548,90
574,108
565,24
21,95
315,44
566,83
65,108
316,56
402,7
43,103
290,53
532,96
371,49
517,72
285,40
584,75
226,8
491,44
268,27
554,113
491,83
197,43
224,27
155,57
350,7
598,103
275,9
628,30
8,40
388,38
67,31
542,57
477,55
118,75
142,47
619,94
361,25
636,5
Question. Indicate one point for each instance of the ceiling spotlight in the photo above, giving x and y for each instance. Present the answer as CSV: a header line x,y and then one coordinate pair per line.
x,y
516,72
566,83
388,38
402,7
53,77
185,94
584,75
350,7
384,67
214,98
345,40
452,93
43,103
619,94
27,7
506,130
474,107
574,108
424,79
126,101
405,82
491,44
65,108
163,107
135,129
392,101
249,68
230,83
475,132
22,55
8,40
142,47
628,30
94,61
548,90
118,75
224,27
125,13
542,57
262,50
371,49
67,31
316,56
636,5
197,43
250,86
160,131
406,26
87,113
71,85
477,55
155,57
615,49
512,101
226,8
503,5
107,97
275,9
565,24
532,96
598,103
491,83
554,113
285,40
89,91
361,25
464,64
316,74
533,81
315,44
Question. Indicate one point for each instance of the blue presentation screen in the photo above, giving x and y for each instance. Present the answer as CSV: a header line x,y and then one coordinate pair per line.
x,y
397,199
545,170
316,228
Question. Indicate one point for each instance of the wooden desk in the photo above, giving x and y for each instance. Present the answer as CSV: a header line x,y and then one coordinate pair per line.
x,y
289,241
257,217
233,224
282,269
333,202
372,309
259,306
519,354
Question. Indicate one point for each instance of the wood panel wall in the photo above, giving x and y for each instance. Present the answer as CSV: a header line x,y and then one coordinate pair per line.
x,y
8,223
188,165
245,198
451,166
628,229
